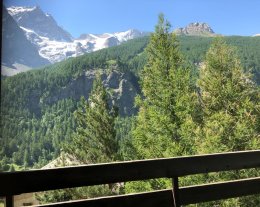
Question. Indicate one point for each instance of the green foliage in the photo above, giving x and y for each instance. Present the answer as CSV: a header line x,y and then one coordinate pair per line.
x,y
35,116
231,112
95,137
168,102
95,141
148,185
124,128
73,194
165,123
230,102
55,196
195,49
174,120
27,142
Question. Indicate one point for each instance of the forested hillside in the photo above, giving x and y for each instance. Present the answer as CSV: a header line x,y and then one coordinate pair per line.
x,y
37,106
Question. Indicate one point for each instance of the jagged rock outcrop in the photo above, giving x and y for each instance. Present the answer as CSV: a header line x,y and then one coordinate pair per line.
x,y
196,29
111,41
64,159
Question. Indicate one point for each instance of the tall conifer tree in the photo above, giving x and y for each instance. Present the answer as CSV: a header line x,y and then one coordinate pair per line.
x,y
165,123
231,113
95,137
231,102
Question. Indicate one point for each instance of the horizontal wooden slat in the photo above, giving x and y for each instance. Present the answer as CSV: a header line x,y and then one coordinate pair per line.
x,y
13,183
161,198
217,191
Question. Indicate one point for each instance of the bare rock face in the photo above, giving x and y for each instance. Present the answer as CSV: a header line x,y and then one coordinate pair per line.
x,y
111,41
122,89
113,80
196,29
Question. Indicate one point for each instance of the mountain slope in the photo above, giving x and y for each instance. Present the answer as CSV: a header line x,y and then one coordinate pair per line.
x,y
30,90
37,106
56,44
17,52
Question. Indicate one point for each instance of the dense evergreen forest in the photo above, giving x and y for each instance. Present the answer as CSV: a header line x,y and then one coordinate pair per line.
x,y
32,131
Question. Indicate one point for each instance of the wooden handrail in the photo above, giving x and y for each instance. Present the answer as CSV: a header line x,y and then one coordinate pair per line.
x,y
13,183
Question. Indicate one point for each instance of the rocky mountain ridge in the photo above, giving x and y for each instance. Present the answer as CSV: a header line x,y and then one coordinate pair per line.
x,y
196,29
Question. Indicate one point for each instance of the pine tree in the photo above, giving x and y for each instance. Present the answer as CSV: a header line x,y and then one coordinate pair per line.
x,y
165,122
231,113
95,137
231,102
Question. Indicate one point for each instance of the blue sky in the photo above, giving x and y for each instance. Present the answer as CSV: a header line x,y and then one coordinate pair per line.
x,y
228,17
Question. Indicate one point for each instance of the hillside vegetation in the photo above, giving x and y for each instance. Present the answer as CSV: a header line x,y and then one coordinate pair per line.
x,y
33,129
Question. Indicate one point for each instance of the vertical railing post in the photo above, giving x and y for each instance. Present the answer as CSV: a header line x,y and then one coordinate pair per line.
x,y
9,201
175,192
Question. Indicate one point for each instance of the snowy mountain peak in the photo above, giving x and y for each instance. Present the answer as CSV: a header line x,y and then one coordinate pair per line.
x,y
121,36
14,10
129,34
54,43
33,18
93,42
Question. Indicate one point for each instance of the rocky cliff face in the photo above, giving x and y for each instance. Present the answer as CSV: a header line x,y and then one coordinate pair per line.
x,y
195,29
122,88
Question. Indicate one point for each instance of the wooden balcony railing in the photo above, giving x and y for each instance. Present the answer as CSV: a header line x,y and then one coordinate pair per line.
x,y
14,183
